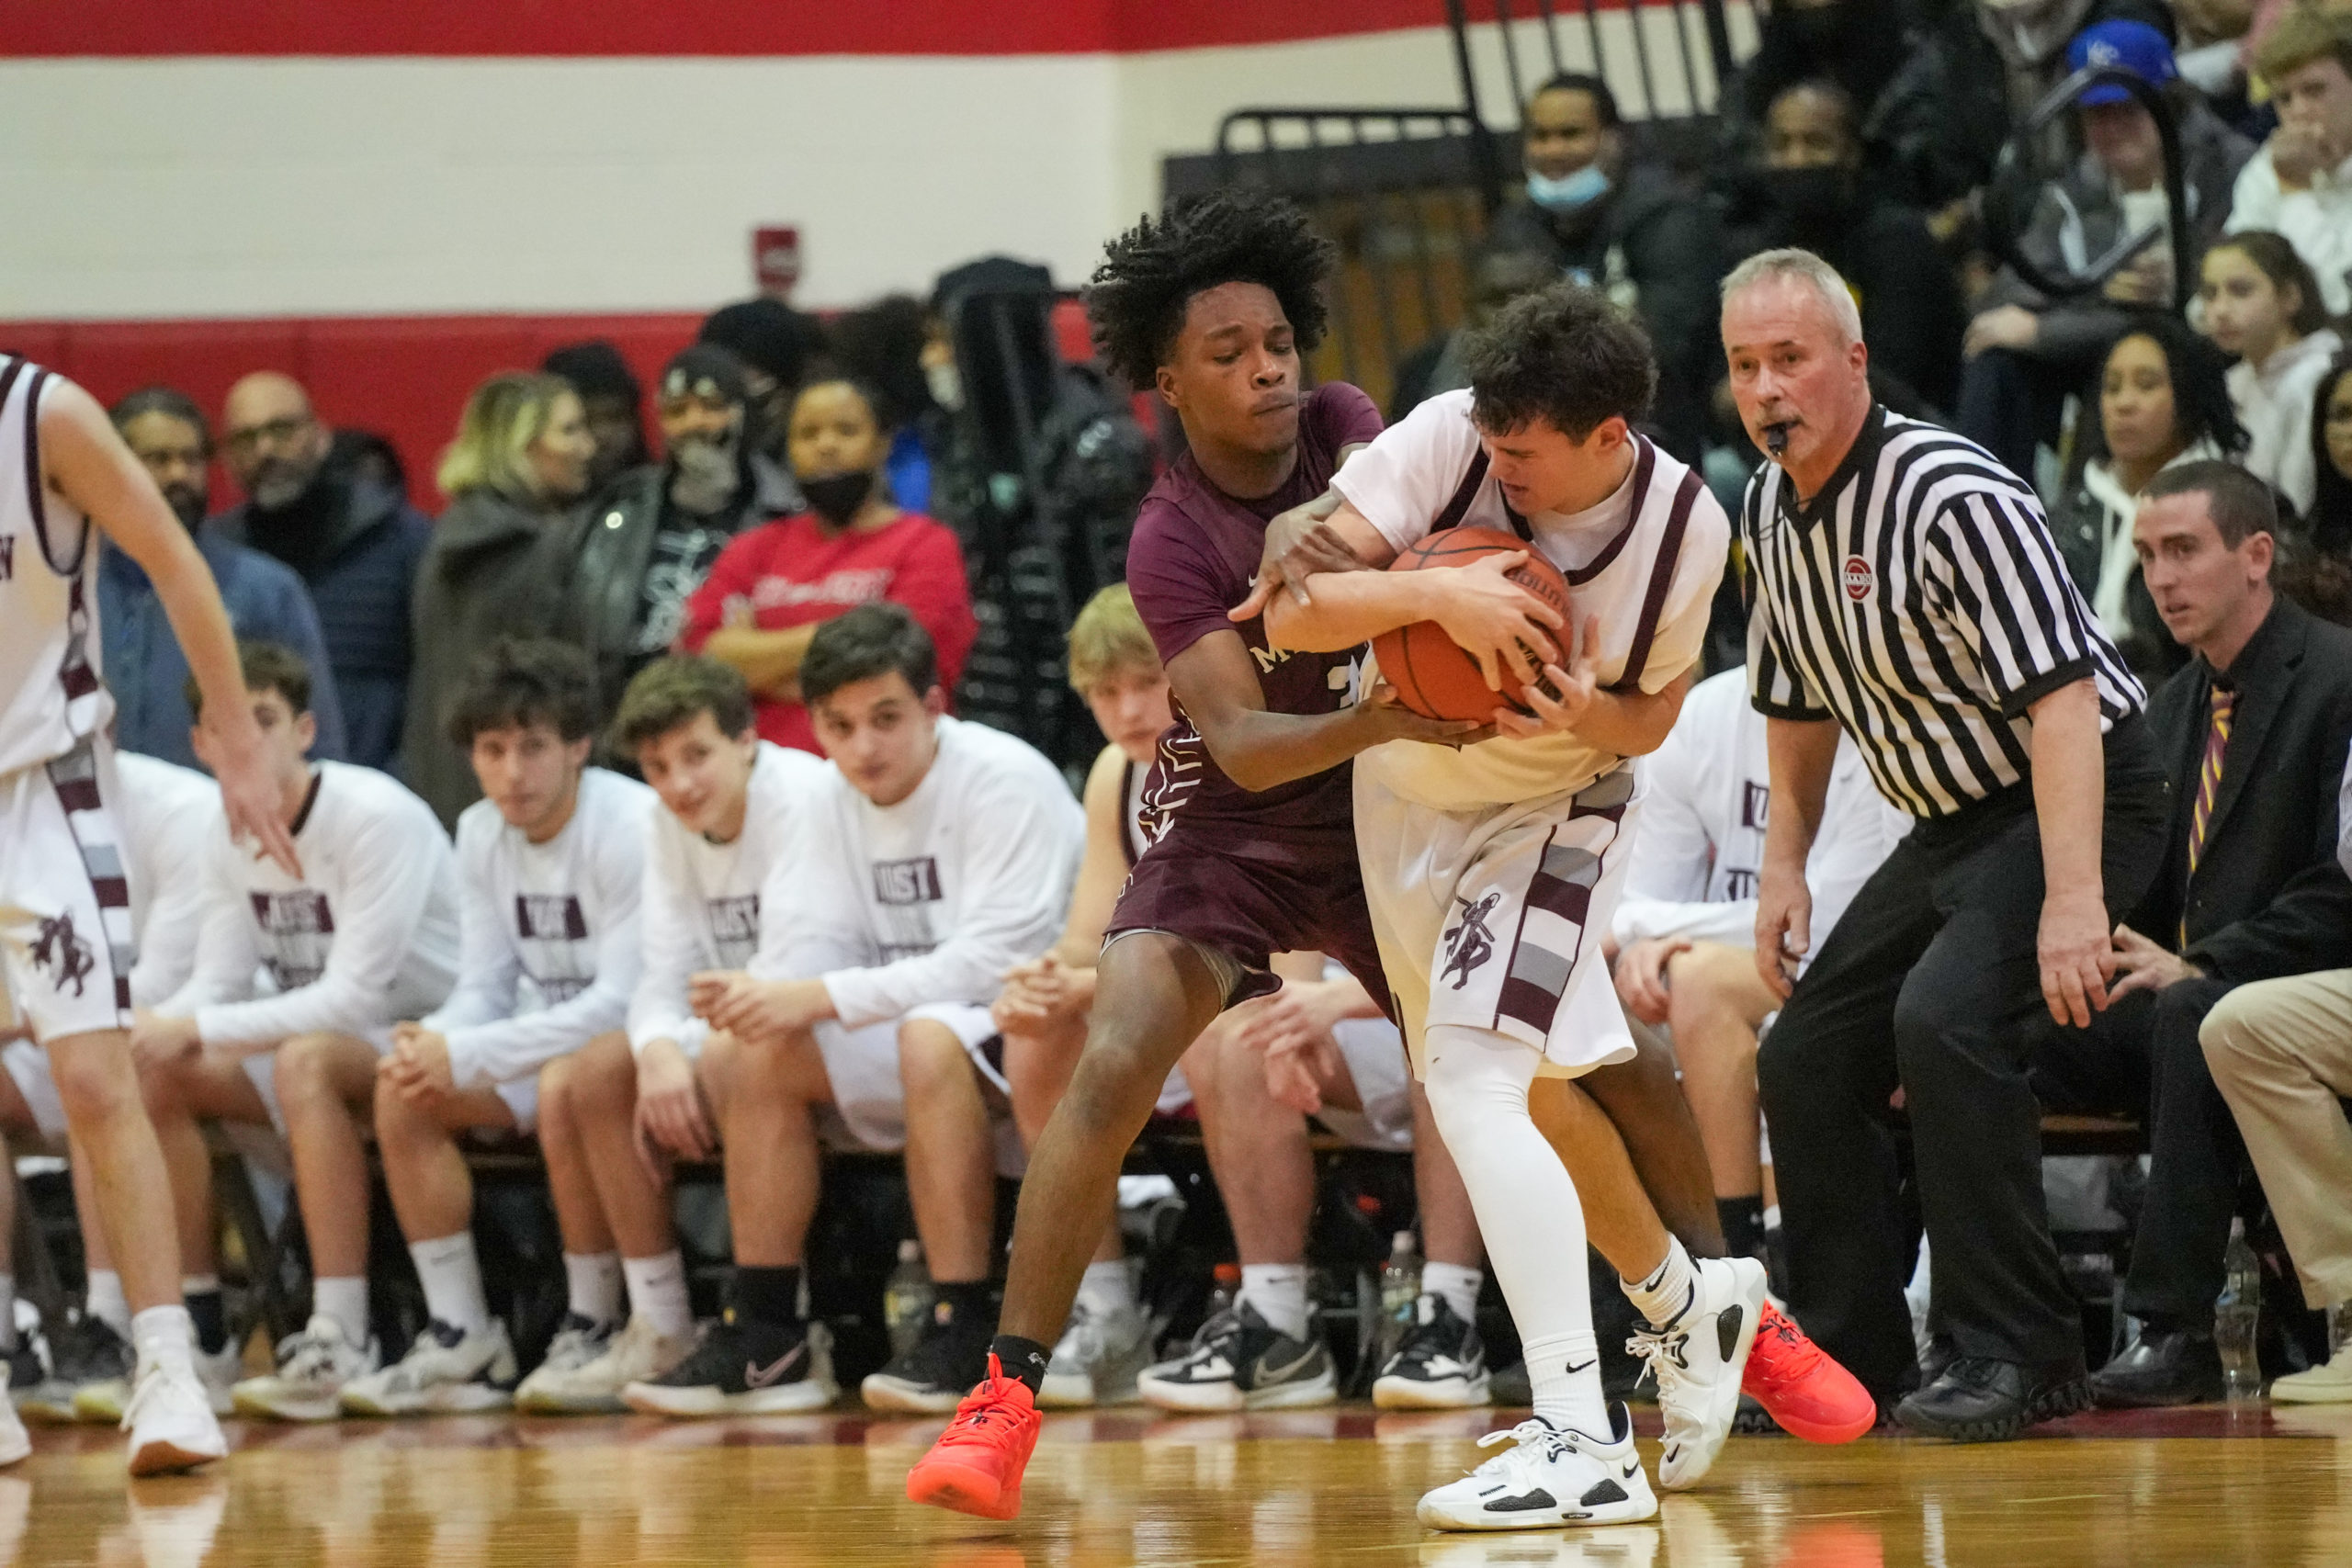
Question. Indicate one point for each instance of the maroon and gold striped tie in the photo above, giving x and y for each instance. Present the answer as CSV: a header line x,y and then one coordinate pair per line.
x,y
2208,784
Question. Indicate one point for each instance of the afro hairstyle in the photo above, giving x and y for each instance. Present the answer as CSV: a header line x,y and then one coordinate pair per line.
x,y
1137,296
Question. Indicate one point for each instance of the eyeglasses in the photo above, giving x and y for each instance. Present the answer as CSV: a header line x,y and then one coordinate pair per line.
x,y
276,433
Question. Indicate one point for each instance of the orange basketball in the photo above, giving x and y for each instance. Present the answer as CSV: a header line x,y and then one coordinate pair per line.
x,y
1432,673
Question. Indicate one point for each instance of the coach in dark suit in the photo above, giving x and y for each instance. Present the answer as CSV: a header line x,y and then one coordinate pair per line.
x,y
2253,732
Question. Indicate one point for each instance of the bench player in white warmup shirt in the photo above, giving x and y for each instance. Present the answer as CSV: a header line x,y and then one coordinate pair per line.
x,y
365,936
1492,869
65,942
941,854
551,866
1682,946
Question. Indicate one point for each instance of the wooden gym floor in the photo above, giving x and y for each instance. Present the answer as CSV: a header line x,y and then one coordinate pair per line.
x,y
2260,1486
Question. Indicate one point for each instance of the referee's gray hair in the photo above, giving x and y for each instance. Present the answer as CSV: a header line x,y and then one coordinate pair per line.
x,y
1809,269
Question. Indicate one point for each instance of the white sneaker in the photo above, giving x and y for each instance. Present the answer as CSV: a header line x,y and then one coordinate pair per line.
x,y
446,1371
1698,1360
639,1353
1555,1476
171,1422
103,1402
14,1441
1098,1359
2330,1384
313,1366
220,1373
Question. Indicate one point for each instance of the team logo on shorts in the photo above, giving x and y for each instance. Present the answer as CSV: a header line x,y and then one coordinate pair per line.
x,y
1469,944
66,955
1860,580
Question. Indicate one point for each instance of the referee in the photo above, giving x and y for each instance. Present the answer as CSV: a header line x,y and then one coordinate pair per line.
x,y
1907,589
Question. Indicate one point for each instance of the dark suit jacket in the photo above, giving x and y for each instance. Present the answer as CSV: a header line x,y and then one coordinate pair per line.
x,y
2268,897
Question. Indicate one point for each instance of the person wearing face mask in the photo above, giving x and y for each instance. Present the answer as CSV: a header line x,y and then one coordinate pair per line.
x,y
518,467
354,542
778,348
775,584
2025,354
1808,189
1619,222
634,556
265,601
883,345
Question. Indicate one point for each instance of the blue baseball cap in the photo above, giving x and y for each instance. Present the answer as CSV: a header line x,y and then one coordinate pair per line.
x,y
2128,46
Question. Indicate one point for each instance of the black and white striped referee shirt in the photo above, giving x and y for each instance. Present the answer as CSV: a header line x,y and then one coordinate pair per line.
x,y
1919,601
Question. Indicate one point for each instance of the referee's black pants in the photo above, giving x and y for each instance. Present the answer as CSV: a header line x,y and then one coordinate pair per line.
x,y
1929,981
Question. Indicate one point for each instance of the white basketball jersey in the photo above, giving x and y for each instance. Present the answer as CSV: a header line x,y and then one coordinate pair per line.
x,y
50,696
1645,563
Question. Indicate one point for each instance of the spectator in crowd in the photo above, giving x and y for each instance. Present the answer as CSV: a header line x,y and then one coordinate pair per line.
x,y
882,345
1858,47
778,348
1621,224
1499,273
2280,1052
1808,189
266,601
368,456
2025,354
2299,184
719,858
367,936
519,465
551,866
931,857
2211,56
773,585
2251,732
613,402
1682,946
2162,400
2262,305
355,543
625,570
2328,520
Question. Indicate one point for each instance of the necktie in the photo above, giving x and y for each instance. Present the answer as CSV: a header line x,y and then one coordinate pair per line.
x,y
2208,784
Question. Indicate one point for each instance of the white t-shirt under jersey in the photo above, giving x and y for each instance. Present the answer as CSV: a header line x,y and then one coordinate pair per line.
x,y
1405,480
366,938
563,913
703,902
1701,844
939,895
169,817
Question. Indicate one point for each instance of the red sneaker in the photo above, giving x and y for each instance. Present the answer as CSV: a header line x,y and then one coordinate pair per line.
x,y
976,1465
1793,1379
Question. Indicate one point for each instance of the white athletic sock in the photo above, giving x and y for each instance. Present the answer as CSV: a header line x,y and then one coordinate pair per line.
x,y
1279,1293
657,1292
1106,1287
1670,1288
593,1279
1457,1286
106,1302
164,1337
7,1312
345,1300
1528,1212
451,1275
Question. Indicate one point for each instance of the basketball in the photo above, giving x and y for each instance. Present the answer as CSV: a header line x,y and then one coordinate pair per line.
x,y
1433,676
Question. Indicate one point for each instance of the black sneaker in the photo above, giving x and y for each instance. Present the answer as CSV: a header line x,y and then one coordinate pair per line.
x,y
744,1368
934,1373
1239,1362
84,1353
1441,1365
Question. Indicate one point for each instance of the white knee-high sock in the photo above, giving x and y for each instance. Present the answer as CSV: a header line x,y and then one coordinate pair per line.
x,y
1528,1213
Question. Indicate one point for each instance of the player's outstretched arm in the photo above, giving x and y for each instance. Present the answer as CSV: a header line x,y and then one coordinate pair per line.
x,y
89,465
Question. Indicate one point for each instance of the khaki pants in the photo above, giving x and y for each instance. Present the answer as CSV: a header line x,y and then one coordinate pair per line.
x,y
2282,1052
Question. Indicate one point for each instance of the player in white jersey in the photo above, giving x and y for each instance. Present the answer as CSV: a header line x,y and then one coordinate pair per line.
x,y
551,866
1485,866
1682,946
65,477
666,1087
938,854
365,937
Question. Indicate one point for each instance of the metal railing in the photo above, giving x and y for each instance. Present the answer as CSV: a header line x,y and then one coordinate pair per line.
x,y
1658,43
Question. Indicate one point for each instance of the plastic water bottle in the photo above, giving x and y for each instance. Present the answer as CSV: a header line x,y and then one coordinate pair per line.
x,y
1225,1290
1400,1292
2236,1315
906,1298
